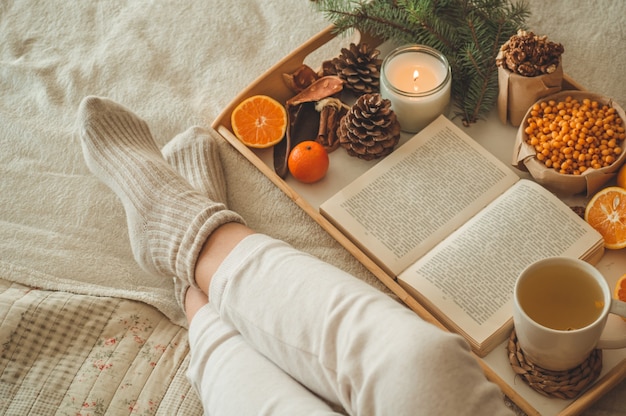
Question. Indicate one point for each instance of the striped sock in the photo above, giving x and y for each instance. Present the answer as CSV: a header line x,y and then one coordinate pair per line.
x,y
168,221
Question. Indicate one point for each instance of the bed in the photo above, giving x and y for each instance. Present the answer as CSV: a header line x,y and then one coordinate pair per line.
x,y
83,330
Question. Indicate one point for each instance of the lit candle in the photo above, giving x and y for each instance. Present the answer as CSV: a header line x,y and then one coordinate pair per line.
x,y
417,80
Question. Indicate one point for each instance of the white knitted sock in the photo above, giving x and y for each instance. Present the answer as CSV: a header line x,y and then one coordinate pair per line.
x,y
195,156
168,221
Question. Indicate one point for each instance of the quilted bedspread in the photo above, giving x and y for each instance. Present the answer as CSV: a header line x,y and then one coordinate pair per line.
x,y
69,354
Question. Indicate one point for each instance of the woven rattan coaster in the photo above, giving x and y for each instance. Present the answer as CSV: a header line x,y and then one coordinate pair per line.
x,y
560,384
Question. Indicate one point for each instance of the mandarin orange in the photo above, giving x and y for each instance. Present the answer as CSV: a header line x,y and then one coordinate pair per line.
x,y
620,290
621,176
606,212
308,161
259,121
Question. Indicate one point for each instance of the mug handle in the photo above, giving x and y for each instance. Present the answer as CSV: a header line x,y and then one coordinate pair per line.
x,y
614,334
618,308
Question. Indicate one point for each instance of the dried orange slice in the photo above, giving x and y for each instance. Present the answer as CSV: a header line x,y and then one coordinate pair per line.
x,y
308,161
259,121
606,212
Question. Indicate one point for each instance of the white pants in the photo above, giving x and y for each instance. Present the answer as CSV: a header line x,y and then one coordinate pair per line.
x,y
321,328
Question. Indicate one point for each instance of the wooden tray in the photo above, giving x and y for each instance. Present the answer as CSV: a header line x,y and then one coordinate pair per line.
x,y
492,134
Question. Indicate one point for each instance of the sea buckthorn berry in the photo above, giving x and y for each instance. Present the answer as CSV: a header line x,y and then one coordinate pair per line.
x,y
571,136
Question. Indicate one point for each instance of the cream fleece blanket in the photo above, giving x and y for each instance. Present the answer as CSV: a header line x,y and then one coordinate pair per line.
x,y
177,64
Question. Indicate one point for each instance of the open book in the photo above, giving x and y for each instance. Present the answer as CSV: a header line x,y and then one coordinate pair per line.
x,y
455,226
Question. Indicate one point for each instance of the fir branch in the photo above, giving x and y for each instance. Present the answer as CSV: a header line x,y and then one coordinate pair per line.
x,y
382,19
468,32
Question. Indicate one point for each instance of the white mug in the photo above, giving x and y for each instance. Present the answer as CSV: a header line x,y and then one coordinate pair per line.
x,y
561,308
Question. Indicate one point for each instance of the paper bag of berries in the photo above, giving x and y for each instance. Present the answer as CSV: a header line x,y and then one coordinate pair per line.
x,y
572,142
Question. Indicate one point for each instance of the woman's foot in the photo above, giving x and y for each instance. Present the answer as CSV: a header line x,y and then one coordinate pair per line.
x,y
168,220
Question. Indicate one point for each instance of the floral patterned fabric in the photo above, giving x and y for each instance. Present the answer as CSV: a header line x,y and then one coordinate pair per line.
x,y
67,354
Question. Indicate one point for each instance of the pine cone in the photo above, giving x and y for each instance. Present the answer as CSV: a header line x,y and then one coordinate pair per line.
x,y
358,67
370,130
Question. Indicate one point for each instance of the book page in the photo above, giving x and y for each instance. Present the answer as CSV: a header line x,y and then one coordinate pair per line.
x,y
470,277
407,203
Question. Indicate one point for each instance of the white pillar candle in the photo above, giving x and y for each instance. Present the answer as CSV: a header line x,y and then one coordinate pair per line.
x,y
417,80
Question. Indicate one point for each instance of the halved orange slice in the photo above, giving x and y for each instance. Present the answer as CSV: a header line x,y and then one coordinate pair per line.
x,y
259,121
606,212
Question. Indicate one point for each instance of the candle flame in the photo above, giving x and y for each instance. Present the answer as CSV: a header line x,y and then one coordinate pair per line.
x,y
416,75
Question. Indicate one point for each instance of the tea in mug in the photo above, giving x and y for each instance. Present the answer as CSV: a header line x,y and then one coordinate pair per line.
x,y
561,298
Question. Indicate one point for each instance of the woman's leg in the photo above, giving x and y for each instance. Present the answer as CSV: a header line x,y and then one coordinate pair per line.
x,y
230,377
195,156
341,338
345,340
